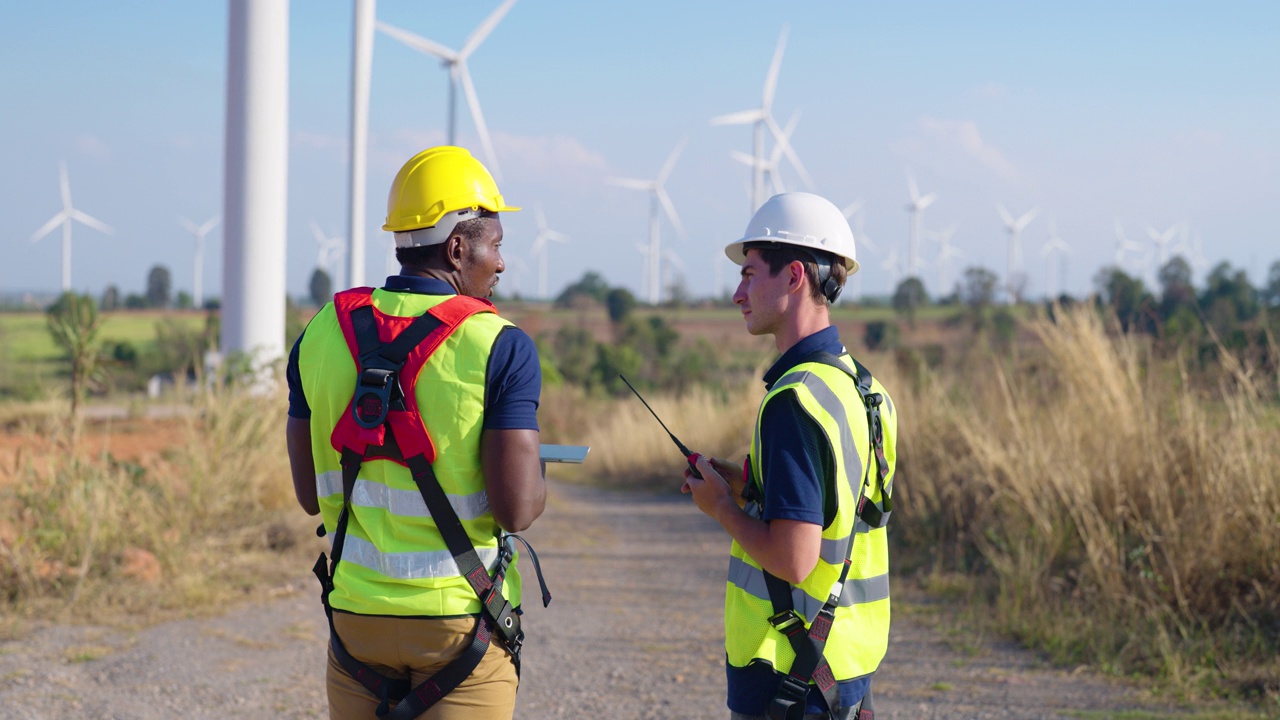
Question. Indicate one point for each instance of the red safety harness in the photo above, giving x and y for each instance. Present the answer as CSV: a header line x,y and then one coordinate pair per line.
x,y
383,421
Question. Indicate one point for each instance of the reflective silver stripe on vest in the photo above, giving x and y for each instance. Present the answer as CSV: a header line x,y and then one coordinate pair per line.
x,y
856,591
407,503
832,406
407,565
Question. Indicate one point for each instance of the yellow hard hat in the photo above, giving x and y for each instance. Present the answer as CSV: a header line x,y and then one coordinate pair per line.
x,y
438,188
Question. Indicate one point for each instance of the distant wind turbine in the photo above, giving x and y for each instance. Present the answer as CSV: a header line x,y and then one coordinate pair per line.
x,y
1163,240
1055,244
64,218
197,271
657,197
1123,245
946,251
1015,226
456,62
762,118
329,254
916,209
770,166
539,249
894,267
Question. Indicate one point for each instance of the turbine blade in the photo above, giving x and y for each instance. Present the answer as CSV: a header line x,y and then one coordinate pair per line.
x,y
64,185
91,221
670,209
1005,216
742,117
745,159
852,209
927,200
630,183
771,80
484,29
208,225
1027,217
190,226
776,154
478,118
540,219
912,189
318,234
787,150
671,161
50,226
419,43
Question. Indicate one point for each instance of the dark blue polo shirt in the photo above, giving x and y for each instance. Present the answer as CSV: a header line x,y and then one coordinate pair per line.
x,y
794,458
513,380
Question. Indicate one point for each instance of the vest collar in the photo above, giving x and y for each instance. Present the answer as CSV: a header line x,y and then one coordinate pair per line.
x,y
827,339
421,285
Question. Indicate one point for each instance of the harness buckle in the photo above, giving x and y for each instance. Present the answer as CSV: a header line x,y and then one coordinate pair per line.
x,y
784,620
373,397
790,699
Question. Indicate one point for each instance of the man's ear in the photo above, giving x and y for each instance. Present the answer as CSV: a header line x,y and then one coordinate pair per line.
x,y
453,251
796,279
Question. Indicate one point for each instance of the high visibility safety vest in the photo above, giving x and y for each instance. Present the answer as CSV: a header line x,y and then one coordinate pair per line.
x,y
394,560
859,633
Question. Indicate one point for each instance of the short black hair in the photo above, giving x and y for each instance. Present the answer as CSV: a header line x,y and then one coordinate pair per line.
x,y
424,257
779,255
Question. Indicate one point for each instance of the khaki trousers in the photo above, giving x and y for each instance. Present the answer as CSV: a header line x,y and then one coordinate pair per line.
x,y
418,648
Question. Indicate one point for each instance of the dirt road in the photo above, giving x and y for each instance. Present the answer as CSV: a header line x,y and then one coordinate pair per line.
x,y
634,632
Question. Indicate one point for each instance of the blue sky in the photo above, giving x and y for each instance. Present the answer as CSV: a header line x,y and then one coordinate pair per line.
x,y
1150,113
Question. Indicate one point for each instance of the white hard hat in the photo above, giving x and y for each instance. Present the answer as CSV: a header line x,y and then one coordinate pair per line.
x,y
801,219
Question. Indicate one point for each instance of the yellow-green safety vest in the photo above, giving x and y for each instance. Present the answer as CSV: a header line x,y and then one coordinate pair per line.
x,y
394,561
860,632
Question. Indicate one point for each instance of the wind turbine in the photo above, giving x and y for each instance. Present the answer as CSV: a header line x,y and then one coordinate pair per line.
x,y
64,218
657,196
1015,226
197,272
946,251
1055,244
539,249
894,267
770,166
916,208
1163,240
762,118
456,62
329,255
1123,245
861,239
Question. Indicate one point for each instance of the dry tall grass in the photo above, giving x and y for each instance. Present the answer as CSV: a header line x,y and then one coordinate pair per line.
x,y
189,529
1130,514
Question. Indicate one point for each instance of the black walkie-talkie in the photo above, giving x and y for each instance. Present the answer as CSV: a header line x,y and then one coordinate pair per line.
x,y
690,456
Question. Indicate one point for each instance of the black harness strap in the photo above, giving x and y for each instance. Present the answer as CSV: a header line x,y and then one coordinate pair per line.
x,y
380,364
788,702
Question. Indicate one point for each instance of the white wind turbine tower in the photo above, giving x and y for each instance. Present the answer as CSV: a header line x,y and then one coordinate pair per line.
x,y
197,270
770,166
657,197
1015,226
64,218
946,251
762,118
539,249
916,208
329,255
1055,244
456,62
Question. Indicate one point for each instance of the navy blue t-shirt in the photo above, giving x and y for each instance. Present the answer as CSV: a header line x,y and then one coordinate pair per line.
x,y
513,380
795,456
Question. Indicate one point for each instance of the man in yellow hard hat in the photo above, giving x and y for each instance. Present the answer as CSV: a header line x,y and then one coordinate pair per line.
x,y
807,597
413,432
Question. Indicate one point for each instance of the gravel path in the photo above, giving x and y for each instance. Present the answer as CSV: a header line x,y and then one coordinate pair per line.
x,y
634,632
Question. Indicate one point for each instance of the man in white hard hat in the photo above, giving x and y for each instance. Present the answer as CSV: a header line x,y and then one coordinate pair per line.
x,y
807,598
